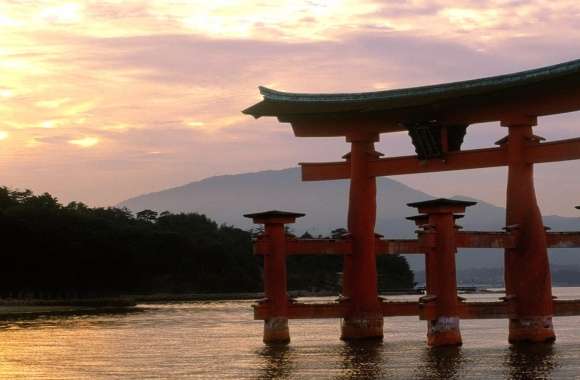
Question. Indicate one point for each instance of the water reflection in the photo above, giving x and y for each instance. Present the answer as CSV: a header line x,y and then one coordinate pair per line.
x,y
277,362
362,360
441,363
531,361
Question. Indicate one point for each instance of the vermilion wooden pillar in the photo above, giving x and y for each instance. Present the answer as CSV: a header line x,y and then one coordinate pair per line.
x,y
275,277
527,269
422,221
364,318
443,330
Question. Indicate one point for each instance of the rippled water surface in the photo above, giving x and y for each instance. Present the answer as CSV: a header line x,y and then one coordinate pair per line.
x,y
220,340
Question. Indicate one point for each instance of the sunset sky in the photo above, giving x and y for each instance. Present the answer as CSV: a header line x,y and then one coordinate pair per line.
x,y
103,100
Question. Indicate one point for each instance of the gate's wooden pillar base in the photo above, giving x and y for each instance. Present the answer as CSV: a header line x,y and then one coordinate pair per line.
x,y
362,327
531,329
276,330
444,331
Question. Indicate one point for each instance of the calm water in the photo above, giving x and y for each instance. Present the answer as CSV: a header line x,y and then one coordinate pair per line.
x,y
220,340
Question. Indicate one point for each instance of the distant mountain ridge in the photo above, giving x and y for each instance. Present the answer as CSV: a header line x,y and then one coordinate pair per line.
x,y
226,198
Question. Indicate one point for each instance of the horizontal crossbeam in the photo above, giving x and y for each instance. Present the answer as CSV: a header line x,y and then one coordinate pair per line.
x,y
307,246
480,239
465,239
563,150
469,159
563,239
402,246
554,151
425,311
331,247
319,247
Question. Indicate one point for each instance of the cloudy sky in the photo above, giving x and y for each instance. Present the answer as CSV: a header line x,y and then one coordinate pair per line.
x,y
102,100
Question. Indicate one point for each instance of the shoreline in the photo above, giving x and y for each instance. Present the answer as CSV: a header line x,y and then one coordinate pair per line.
x,y
16,308
132,300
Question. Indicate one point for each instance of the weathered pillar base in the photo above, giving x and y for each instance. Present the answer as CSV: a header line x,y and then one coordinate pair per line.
x,y
531,329
444,331
276,330
354,328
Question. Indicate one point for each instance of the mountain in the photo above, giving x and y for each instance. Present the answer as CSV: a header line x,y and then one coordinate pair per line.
x,y
226,198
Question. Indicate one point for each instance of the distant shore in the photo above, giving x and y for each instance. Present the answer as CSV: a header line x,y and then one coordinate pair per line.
x,y
10,305
31,307
14,307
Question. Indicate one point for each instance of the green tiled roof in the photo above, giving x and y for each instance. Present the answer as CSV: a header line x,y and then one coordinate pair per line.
x,y
287,105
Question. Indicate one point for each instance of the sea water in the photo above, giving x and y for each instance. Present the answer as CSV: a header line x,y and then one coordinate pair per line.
x,y
220,340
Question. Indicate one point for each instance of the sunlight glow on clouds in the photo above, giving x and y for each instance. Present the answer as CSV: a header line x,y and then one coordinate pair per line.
x,y
195,124
471,19
85,142
3,135
149,76
291,19
48,124
6,93
62,14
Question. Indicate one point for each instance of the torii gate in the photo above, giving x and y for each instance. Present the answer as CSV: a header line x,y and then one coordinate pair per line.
x,y
437,118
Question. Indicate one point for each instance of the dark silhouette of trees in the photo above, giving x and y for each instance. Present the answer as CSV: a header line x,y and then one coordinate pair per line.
x,y
52,250
322,272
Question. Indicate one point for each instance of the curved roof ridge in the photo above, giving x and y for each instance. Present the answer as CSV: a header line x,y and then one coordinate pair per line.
x,y
527,76
538,92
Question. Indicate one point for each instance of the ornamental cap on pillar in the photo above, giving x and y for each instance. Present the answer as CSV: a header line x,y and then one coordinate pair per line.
x,y
274,216
441,205
419,219
424,218
534,138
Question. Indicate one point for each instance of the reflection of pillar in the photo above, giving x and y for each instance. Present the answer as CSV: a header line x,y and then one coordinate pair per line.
x,y
276,362
364,318
527,269
441,363
275,283
364,360
443,330
536,361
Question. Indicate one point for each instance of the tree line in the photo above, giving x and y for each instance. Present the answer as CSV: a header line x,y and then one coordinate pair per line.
x,y
51,250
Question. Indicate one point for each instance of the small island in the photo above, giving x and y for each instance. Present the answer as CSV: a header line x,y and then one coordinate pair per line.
x,y
66,256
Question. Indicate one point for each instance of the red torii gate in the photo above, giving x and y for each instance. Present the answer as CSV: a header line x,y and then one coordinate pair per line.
x,y
437,118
